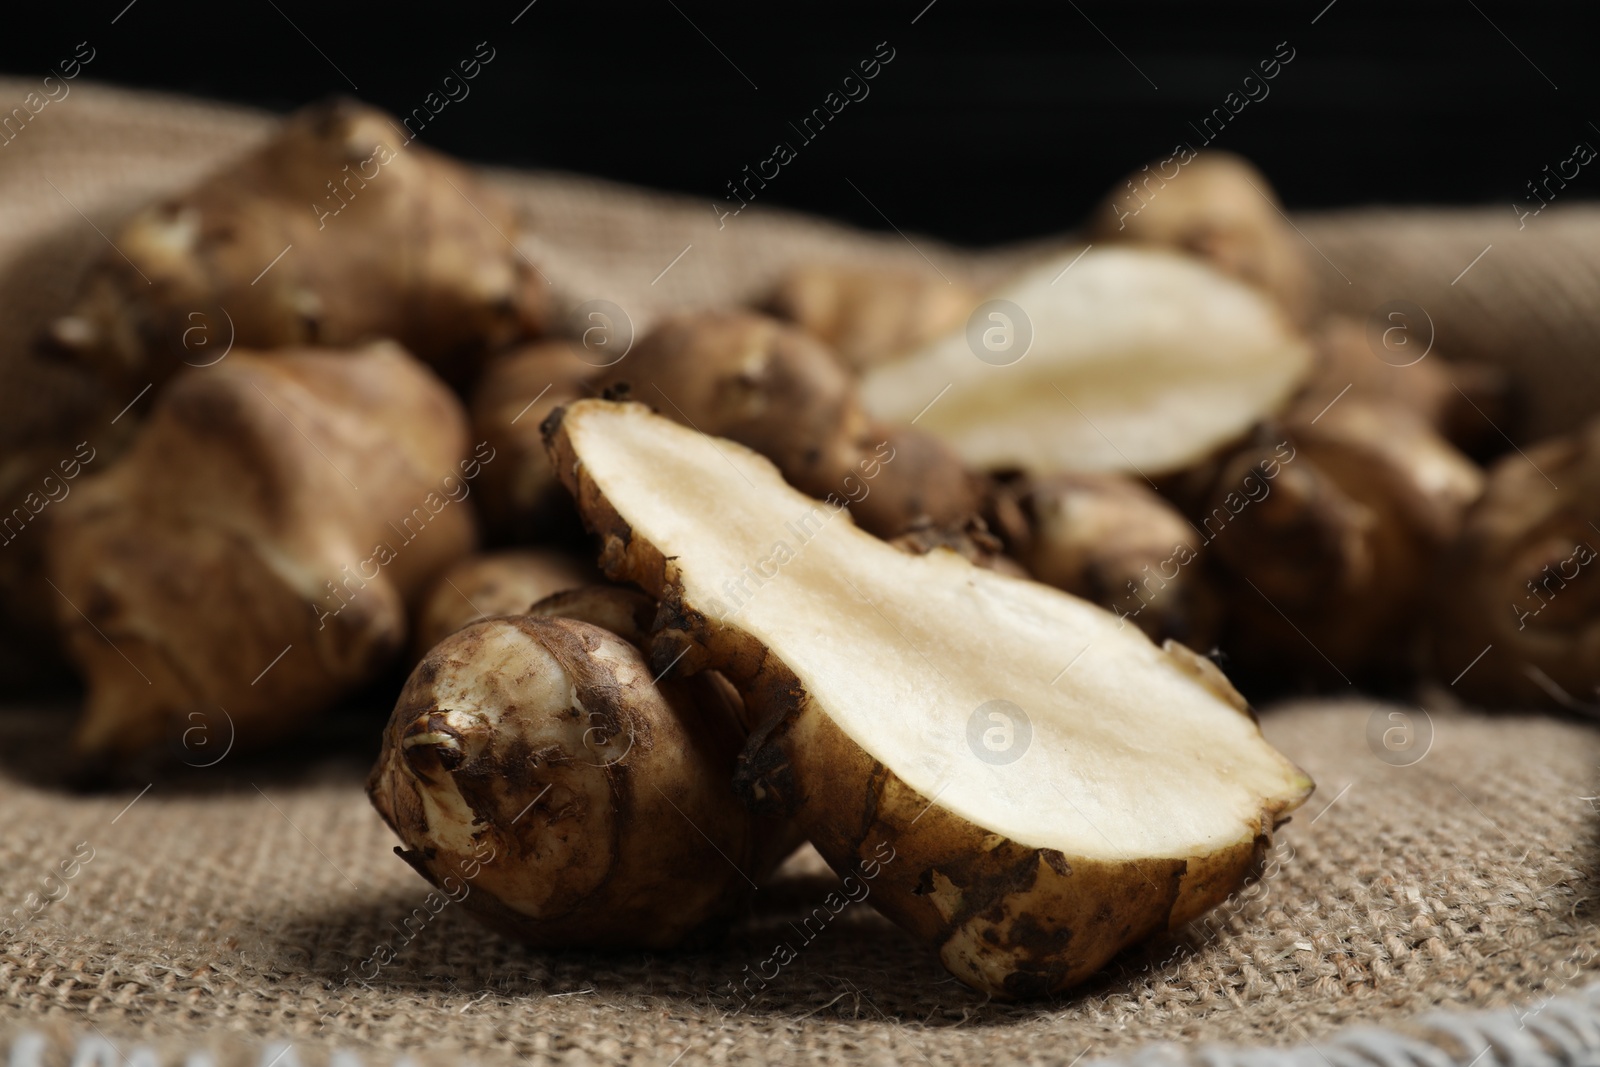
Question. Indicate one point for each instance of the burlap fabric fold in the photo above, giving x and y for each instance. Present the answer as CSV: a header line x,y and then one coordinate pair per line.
x,y
249,903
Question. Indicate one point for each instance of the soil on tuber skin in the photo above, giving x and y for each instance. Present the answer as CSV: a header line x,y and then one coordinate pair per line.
x,y
534,766
855,736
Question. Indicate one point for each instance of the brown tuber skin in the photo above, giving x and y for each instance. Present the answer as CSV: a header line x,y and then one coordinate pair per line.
x,y
592,805
1216,207
1011,919
379,245
494,583
870,315
780,392
521,500
245,520
1463,402
1110,540
1336,524
760,382
1522,577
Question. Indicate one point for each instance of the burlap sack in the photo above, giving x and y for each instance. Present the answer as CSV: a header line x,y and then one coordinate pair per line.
x,y
248,903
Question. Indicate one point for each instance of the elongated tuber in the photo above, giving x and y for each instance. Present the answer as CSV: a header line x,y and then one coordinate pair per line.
x,y
1113,541
334,232
253,553
494,583
871,315
1024,821
1519,594
1219,208
1126,359
593,804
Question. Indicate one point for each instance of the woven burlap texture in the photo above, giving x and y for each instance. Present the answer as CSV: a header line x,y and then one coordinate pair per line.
x,y
237,905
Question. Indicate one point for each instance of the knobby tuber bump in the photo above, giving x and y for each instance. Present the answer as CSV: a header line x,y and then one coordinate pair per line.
x,y
877,678
1523,578
328,234
253,553
602,797
1216,207
1111,540
520,499
869,315
780,391
1329,533
494,583
1126,359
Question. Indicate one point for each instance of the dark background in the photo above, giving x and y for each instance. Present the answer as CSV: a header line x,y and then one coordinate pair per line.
x,y
994,121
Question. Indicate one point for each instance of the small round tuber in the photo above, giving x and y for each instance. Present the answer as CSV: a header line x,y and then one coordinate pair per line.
x,y
494,583
1111,540
757,381
779,391
592,804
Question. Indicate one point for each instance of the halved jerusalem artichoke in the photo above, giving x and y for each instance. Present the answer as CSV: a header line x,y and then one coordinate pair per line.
x,y
870,315
1128,359
897,696
1517,619
335,232
592,804
494,583
255,549
1216,206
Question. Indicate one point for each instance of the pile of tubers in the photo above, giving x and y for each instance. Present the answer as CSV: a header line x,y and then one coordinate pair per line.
x,y
880,562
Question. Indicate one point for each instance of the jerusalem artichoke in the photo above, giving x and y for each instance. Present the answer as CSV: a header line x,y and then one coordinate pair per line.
x,y
255,550
334,232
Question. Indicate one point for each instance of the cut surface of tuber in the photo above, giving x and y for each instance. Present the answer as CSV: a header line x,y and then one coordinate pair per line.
x,y
1039,729
1129,359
